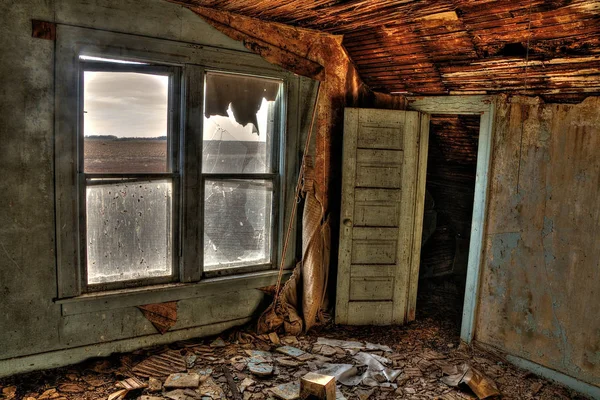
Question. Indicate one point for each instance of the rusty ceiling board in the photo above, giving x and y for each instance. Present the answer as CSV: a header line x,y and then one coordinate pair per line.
x,y
452,46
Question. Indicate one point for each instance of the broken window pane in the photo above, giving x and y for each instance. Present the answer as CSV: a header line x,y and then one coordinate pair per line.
x,y
128,230
125,122
241,118
237,223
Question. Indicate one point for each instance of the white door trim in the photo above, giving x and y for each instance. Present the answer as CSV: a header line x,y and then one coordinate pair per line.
x,y
469,105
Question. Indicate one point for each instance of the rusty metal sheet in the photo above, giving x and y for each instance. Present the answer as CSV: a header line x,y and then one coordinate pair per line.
x,y
464,46
161,365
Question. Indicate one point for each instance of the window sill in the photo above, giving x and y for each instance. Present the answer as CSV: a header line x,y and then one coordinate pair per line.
x,y
109,300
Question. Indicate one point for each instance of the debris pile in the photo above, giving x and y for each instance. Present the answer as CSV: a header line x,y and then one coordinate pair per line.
x,y
413,363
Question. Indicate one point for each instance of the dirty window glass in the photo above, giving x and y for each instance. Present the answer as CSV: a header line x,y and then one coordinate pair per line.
x,y
237,223
125,122
241,121
128,230
129,179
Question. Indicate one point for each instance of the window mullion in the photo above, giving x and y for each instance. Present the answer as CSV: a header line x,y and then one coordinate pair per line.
x,y
192,183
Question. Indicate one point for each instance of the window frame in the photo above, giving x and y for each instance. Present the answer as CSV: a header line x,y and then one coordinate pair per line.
x,y
274,177
193,61
173,171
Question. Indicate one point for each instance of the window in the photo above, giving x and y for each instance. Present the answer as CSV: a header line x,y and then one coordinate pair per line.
x,y
175,163
129,172
129,167
242,125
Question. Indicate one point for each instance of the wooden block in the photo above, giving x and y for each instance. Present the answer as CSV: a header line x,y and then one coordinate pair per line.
x,y
318,386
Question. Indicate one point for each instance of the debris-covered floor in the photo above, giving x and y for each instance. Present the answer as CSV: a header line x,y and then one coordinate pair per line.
x,y
418,361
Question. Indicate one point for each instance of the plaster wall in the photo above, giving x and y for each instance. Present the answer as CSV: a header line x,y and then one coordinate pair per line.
x,y
31,322
540,287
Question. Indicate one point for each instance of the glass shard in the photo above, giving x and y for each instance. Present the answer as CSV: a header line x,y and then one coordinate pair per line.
x,y
242,117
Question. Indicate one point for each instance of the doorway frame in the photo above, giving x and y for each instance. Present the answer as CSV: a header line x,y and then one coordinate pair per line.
x,y
485,107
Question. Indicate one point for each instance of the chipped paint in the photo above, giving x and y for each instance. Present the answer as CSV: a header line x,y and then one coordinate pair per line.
x,y
541,276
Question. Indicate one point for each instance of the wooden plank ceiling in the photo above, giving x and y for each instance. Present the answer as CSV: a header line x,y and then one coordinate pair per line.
x,y
453,46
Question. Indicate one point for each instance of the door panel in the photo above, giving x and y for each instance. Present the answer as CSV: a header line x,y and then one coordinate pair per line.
x,y
383,170
370,312
380,136
371,288
378,168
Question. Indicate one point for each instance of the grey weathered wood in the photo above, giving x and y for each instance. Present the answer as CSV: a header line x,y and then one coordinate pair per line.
x,y
347,215
193,190
450,104
379,198
104,44
124,298
370,312
65,144
486,129
371,288
419,211
407,217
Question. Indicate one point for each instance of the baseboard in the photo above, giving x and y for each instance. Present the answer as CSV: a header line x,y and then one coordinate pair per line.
x,y
566,380
60,358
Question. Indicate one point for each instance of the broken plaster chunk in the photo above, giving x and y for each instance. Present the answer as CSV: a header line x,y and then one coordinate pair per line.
x,y
191,380
313,385
259,353
287,391
327,351
288,362
211,389
218,342
375,346
245,384
190,360
181,394
294,352
154,385
260,368
344,344
204,373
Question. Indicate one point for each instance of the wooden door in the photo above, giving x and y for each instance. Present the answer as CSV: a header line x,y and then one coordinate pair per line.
x,y
383,190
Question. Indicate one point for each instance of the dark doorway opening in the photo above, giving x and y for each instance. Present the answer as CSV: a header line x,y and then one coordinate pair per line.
x,y
450,190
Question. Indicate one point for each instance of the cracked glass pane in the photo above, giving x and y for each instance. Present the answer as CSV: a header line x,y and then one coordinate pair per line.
x,y
128,230
241,119
237,223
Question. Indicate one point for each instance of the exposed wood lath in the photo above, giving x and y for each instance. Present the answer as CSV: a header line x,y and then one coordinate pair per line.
x,y
453,46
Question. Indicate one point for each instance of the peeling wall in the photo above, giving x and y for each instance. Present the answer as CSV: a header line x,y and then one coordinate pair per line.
x,y
31,322
540,285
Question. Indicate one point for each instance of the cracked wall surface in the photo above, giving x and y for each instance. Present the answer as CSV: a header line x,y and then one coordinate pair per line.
x,y
540,285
